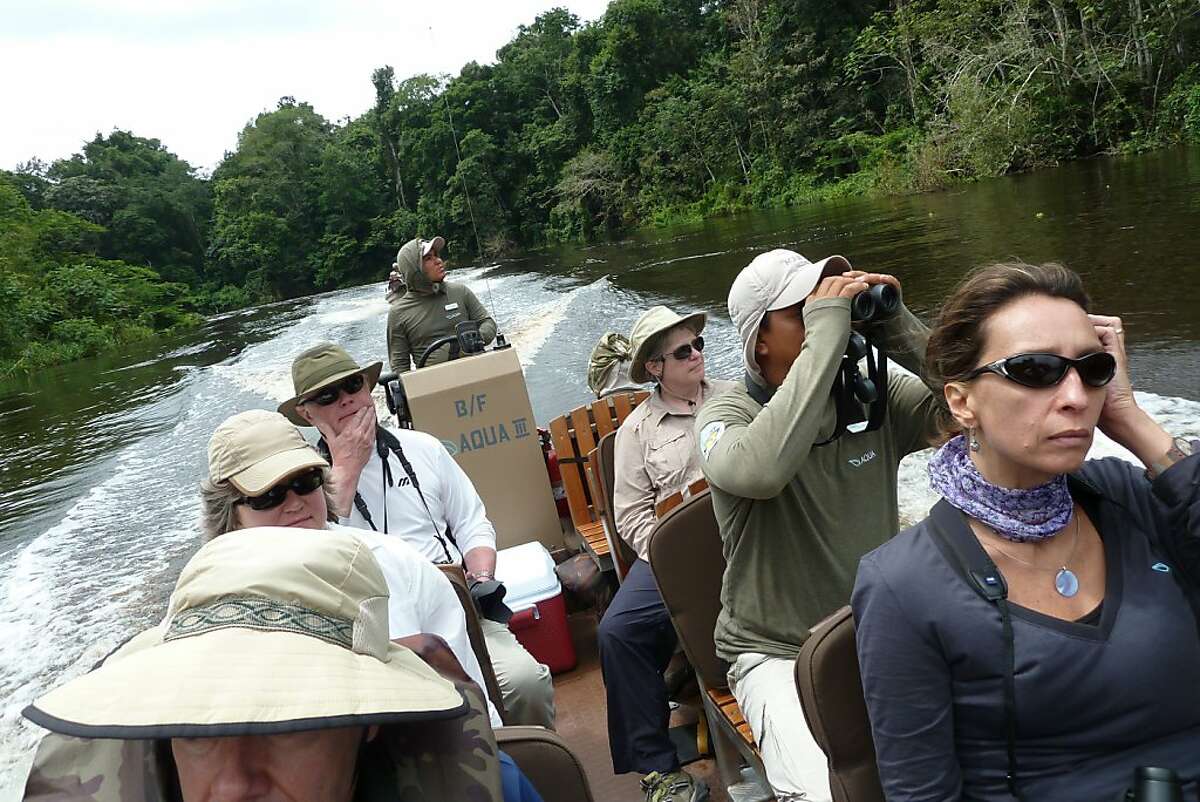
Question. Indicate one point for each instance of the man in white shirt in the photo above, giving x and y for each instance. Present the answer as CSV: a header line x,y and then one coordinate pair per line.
x,y
404,483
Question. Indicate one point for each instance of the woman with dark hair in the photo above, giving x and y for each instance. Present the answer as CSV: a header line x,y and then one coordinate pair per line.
x,y
1034,638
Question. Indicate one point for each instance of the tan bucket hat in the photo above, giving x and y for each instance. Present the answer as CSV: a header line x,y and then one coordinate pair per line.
x,y
773,280
320,366
269,630
253,450
645,335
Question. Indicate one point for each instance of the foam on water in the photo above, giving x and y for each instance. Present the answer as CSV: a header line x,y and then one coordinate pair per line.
x,y
80,588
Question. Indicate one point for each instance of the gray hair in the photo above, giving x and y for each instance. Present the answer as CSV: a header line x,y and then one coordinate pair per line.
x,y
218,506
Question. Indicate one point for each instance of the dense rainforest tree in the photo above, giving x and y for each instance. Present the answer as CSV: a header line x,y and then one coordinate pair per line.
x,y
60,299
659,110
153,207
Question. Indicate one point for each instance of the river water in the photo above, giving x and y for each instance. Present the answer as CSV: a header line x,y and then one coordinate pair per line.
x,y
100,459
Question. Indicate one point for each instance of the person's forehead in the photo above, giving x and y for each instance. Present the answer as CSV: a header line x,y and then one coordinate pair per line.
x,y
678,335
1038,323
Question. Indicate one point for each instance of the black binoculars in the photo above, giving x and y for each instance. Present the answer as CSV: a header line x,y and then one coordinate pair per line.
x,y
1155,785
879,302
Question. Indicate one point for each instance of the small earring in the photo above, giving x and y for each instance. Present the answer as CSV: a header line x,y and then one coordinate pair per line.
x,y
973,441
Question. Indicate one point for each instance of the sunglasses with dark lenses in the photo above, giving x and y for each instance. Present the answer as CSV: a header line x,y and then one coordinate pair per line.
x,y
327,395
302,485
684,351
1047,370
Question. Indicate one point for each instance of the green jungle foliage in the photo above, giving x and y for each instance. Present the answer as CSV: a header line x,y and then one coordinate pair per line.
x,y
660,111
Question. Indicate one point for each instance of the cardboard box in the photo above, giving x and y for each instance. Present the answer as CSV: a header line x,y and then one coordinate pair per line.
x,y
478,406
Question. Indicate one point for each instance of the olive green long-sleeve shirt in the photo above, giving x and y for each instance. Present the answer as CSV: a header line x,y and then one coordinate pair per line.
x,y
416,321
426,312
795,518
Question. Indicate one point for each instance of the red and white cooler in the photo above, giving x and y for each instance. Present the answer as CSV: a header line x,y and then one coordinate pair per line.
x,y
535,596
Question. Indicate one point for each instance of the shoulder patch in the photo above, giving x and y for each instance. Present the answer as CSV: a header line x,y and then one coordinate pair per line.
x,y
709,436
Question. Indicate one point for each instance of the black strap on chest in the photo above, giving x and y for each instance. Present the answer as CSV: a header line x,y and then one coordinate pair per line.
x,y
959,546
386,443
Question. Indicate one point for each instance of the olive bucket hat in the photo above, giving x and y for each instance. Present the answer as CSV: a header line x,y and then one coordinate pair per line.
x,y
268,630
320,366
647,334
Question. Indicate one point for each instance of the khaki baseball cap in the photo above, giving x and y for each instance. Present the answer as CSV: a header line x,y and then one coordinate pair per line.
x,y
253,450
320,366
268,630
774,280
436,244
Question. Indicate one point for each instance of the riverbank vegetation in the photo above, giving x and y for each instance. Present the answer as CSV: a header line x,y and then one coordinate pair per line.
x,y
660,111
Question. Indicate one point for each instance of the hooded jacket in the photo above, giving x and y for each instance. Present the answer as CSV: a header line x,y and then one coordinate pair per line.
x,y
427,312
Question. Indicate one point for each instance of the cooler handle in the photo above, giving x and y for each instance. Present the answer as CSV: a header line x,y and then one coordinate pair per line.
x,y
524,619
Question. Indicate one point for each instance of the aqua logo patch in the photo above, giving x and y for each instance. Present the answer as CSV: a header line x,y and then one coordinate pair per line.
x,y
709,436
1162,568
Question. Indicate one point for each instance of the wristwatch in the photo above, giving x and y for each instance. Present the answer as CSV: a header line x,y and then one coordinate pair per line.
x,y
1179,449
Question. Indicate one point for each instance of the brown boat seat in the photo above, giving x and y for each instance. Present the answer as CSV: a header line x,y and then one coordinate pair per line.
x,y
605,469
574,435
831,695
458,580
688,564
544,757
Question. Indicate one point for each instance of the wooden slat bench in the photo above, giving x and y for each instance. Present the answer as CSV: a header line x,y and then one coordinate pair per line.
x,y
724,701
675,499
574,436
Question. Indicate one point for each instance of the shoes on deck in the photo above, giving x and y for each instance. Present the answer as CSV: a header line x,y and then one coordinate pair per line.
x,y
676,786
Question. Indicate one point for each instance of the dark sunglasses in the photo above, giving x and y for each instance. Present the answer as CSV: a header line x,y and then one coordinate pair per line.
x,y
684,351
1047,370
327,395
302,485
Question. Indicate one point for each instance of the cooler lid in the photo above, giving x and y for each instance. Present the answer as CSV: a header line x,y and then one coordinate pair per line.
x,y
527,572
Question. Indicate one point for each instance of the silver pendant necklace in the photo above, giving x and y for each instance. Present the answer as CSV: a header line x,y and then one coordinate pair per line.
x,y
1065,580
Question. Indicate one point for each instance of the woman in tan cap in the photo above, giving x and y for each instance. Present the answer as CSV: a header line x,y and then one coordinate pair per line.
x,y
655,458
262,472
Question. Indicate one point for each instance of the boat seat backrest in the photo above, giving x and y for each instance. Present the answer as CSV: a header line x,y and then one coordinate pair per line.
x,y
575,434
544,757
623,554
458,581
688,564
830,688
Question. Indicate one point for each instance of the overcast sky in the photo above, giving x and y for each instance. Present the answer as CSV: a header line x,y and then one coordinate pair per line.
x,y
192,73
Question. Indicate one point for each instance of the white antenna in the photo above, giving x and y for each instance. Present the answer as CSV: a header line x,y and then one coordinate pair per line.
x,y
466,194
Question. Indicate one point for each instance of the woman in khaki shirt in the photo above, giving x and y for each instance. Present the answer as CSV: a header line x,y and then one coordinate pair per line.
x,y
655,457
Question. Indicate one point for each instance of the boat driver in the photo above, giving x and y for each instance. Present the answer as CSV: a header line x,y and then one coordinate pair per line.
x,y
430,308
271,676
795,515
404,483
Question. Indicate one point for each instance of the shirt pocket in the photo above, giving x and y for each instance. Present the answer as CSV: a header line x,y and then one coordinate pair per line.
x,y
667,458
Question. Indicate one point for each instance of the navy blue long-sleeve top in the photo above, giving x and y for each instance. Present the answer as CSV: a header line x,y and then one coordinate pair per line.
x,y
1093,700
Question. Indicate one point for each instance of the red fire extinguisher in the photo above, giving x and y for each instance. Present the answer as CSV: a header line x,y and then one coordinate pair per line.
x,y
552,470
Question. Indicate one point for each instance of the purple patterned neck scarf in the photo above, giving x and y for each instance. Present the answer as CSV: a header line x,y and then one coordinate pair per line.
x,y
1021,516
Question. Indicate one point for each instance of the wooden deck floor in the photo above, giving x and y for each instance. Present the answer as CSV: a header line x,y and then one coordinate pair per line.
x,y
583,722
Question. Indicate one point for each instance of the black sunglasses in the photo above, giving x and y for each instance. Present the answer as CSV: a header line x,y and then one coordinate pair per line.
x,y
1047,370
684,351
303,484
327,395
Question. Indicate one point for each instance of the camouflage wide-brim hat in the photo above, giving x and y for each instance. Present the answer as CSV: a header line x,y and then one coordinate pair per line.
x,y
269,630
320,366
648,330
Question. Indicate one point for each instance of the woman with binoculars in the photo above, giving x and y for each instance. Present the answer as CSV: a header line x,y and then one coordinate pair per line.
x,y
1035,637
